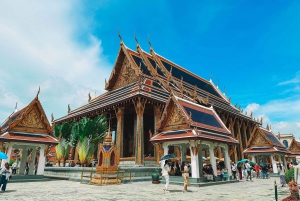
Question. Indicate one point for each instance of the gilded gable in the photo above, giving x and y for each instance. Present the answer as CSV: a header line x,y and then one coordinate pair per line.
x,y
31,120
294,147
259,141
175,117
128,74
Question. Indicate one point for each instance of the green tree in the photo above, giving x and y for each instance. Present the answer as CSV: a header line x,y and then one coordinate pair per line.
x,y
63,133
87,134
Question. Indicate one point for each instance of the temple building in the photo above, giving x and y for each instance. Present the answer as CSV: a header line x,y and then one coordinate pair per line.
x,y
190,126
27,134
294,148
264,145
136,94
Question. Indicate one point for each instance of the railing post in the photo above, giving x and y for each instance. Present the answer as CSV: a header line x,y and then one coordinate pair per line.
x,y
275,186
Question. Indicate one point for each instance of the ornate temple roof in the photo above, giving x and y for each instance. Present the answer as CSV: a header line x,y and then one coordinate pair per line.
x,y
294,148
165,77
263,140
30,124
185,120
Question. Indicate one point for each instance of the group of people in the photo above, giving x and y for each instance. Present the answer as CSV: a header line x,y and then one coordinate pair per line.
x,y
184,170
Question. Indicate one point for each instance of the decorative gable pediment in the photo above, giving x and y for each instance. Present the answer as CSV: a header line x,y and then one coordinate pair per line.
x,y
128,74
32,120
294,147
124,71
259,140
176,117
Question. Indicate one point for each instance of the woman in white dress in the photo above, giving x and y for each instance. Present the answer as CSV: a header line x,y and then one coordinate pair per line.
x,y
165,173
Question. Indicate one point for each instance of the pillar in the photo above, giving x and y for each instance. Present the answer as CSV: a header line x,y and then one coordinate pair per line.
x,y
42,159
227,159
23,160
120,128
183,152
274,165
212,158
253,158
284,162
194,159
32,162
157,113
200,162
166,150
9,149
139,142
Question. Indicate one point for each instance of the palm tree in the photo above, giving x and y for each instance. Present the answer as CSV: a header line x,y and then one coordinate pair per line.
x,y
87,134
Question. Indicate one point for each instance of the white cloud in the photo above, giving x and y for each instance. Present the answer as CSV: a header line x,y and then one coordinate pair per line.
x,y
282,115
295,80
38,48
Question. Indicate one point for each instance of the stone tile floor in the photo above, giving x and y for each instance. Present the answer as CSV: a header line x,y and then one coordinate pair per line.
x,y
260,189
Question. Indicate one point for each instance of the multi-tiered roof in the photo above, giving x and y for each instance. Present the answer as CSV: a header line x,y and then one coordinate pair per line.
x,y
138,73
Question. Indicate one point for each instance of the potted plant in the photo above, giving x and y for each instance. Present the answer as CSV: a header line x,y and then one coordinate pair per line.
x,y
155,176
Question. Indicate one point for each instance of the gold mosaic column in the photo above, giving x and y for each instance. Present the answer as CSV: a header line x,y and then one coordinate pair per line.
x,y
157,113
139,142
120,128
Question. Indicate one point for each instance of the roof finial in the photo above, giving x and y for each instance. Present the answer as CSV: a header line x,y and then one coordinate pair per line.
x,y
16,107
37,95
246,113
151,49
52,118
69,109
261,120
90,98
137,42
268,127
211,76
121,40
251,114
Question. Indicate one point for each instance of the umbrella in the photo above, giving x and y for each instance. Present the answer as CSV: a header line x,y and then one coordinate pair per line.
x,y
167,157
251,163
204,158
3,155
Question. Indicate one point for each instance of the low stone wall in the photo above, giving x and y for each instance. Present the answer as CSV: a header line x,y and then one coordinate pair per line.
x,y
73,173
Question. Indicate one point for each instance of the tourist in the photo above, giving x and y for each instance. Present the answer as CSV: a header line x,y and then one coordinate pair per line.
x,y
14,168
257,170
239,167
281,173
5,175
26,168
185,175
207,173
264,170
291,165
233,169
248,169
165,173
177,170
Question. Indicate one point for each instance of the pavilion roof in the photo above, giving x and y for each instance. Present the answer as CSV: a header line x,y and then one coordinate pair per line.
x,y
30,124
28,138
264,140
193,134
294,147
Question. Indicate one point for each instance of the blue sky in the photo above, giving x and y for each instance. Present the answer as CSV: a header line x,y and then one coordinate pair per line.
x,y
69,48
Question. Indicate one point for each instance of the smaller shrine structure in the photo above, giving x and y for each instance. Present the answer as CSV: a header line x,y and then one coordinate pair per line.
x,y
186,124
28,131
264,145
295,151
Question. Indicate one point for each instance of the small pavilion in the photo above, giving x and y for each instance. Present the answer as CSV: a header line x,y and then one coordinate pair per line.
x,y
28,133
263,144
295,151
193,127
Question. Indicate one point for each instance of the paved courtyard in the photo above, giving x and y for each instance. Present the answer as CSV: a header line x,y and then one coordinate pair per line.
x,y
68,190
